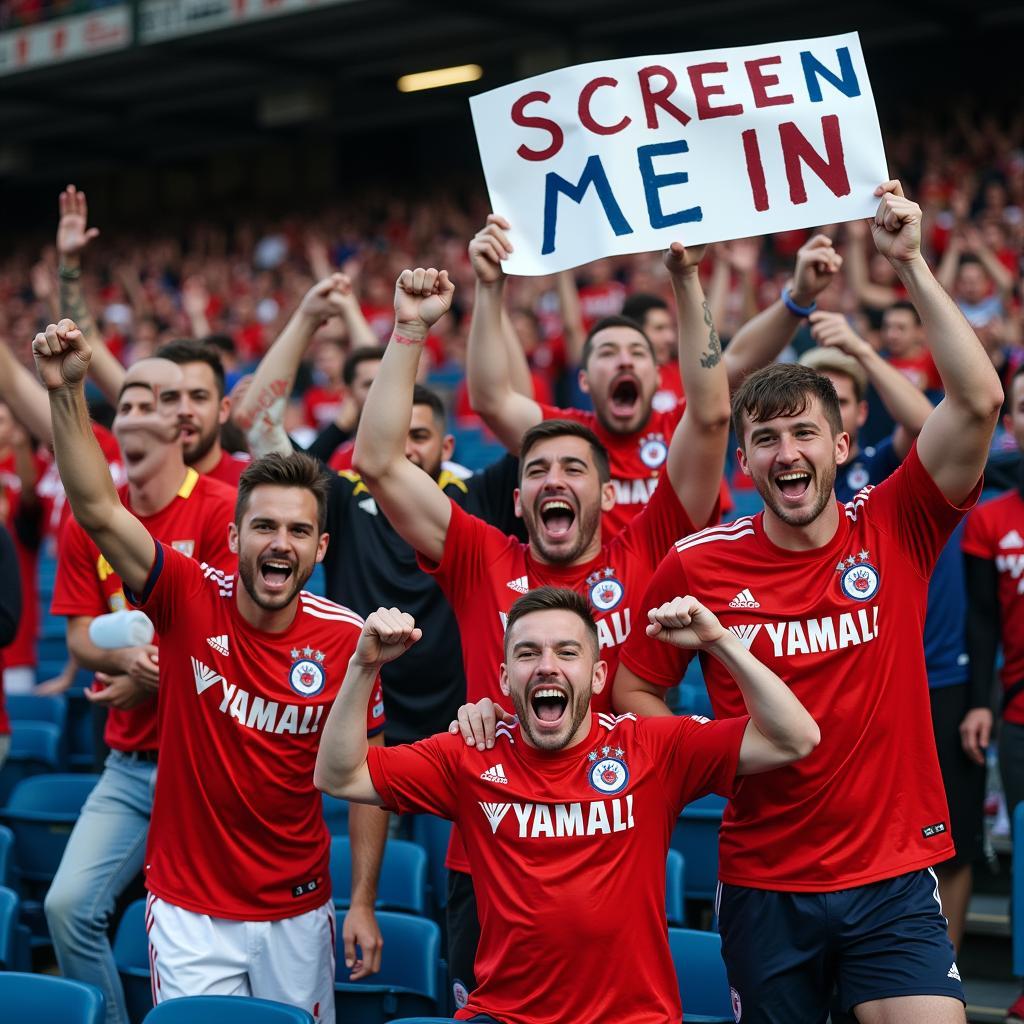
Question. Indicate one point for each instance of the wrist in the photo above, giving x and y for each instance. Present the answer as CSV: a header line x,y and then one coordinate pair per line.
x,y
721,645
914,266
801,298
408,332
69,267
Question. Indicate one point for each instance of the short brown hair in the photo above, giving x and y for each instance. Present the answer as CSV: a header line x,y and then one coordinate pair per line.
x,y
835,360
553,599
187,350
783,389
548,429
276,470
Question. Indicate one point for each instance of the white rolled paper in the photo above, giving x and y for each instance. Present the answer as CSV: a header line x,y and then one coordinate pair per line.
x,y
121,629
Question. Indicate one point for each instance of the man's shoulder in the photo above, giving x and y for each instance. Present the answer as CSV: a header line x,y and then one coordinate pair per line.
x,y
714,543
328,616
211,489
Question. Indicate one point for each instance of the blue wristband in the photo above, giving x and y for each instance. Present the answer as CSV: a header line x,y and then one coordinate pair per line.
x,y
787,301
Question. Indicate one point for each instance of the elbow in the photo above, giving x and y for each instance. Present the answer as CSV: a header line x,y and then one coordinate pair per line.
x,y
804,741
370,465
328,781
715,419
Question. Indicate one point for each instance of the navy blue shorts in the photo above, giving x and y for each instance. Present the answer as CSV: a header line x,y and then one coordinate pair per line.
x,y
787,953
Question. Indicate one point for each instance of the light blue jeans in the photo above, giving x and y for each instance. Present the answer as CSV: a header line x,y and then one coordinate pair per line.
x,y
105,852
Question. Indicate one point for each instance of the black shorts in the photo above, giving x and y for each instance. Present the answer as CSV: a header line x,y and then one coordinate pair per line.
x,y
964,780
787,952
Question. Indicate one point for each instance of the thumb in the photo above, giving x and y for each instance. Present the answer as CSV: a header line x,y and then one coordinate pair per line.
x,y
91,234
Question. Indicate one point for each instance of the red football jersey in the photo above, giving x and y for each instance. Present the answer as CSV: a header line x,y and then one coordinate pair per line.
x,y
576,872
320,405
483,572
237,828
842,625
229,469
995,531
195,523
670,388
600,300
341,460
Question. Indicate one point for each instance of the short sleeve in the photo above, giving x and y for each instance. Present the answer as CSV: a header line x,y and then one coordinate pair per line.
x,y
659,524
911,509
977,538
76,590
212,547
419,777
693,755
174,580
652,660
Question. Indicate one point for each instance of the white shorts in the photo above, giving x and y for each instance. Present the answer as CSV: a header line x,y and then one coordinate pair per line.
x,y
291,960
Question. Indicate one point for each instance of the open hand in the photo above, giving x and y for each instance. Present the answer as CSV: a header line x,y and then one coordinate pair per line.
x,y
72,233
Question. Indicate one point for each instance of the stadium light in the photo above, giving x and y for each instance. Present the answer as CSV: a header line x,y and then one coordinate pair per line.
x,y
440,78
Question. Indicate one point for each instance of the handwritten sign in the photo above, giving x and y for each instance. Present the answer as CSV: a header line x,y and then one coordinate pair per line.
x,y
628,155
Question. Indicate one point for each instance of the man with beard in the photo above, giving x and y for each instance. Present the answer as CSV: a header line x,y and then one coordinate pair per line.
x,y
240,898
826,870
581,862
191,513
564,486
204,410
618,368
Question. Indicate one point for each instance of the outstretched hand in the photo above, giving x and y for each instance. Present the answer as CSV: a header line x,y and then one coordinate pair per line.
x,y
62,355
681,260
685,622
72,234
490,245
896,227
387,634
422,297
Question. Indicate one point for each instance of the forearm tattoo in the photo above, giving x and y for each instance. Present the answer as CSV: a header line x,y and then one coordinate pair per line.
x,y
72,304
713,356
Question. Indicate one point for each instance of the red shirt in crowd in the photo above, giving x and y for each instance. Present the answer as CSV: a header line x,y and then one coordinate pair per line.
x,y
194,523
600,300
320,405
230,467
567,851
670,388
842,626
920,370
241,710
995,532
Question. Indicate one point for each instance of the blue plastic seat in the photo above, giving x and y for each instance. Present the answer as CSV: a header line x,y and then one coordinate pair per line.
x,y
37,708
433,834
675,889
226,1010
131,954
44,998
410,979
8,928
81,733
695,836
403,876
1017,900
7,869
41,812
36,747
335,814
703,983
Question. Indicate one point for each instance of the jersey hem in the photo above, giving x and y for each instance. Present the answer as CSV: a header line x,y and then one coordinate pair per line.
x,y
837,885
199,908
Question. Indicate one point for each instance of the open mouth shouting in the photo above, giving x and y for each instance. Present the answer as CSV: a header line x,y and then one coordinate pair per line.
x,y
276,574
557,516
793,485
549,705
624,396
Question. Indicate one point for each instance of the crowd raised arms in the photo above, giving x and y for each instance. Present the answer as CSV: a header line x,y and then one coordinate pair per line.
x,y
546,604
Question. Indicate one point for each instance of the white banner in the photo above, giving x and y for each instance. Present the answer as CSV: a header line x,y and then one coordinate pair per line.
x,y
169,19
65,39
625,156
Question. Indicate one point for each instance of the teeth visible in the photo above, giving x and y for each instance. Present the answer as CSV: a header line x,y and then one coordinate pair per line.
x,y
557,504
276,565
792,476
549,693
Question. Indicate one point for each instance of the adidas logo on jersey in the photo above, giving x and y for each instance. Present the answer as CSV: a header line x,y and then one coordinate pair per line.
x,y
520,586
1012,540
219,643
953,973
496,773
744,599
205,676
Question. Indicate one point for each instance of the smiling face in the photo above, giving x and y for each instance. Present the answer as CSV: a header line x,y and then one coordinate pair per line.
x,y
560,498
278,542
621,378
551,670
792,460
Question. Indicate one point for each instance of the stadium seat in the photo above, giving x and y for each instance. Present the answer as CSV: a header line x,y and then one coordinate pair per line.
x,y
675,889
1017,901
131,954
433,833
226,1010
7,870
41,812
32,707
335,815
8,928
36,747
45,999
695,836
403,876
703,984
81,735
410,979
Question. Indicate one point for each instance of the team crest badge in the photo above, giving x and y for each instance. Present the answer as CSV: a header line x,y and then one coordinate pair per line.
x,y
858,578
607,771
307,676
737,1006
653,450
857,477
605,590
186,547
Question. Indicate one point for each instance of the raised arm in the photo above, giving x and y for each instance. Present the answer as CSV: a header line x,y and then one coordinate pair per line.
x,y
696,454
870,294
954,442
780,729
572,316
341,759
261,413
73,235
760,341
906,404
23,393
62,361
415,506
488,375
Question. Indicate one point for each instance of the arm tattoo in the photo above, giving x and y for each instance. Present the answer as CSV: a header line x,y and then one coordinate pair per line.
x,y
72,303
714,353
